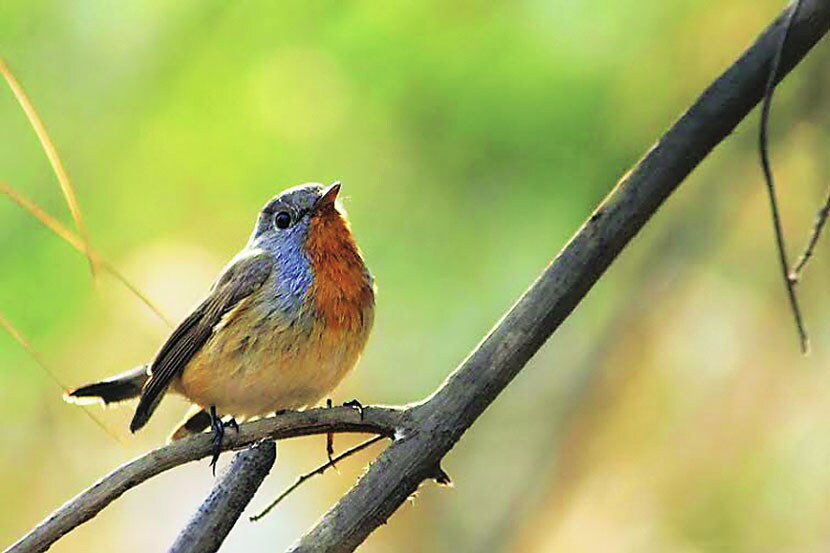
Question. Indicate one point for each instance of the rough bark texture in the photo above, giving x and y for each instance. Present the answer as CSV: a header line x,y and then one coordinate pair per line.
x,y
235,488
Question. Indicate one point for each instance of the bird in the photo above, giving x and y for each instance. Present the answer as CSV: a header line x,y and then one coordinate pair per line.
x,y
281,326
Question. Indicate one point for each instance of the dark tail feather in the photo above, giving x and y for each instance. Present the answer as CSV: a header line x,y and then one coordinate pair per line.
x,y
196,422
119,388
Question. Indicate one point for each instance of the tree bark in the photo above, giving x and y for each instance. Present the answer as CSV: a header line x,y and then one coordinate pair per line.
x,y
235,488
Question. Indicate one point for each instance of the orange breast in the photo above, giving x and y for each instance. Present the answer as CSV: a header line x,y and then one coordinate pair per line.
x,y
342,290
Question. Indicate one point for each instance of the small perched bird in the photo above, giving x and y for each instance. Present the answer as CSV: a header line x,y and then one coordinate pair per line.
x,y
281,326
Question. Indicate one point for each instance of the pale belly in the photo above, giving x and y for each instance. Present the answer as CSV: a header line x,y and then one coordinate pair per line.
x,y
247,373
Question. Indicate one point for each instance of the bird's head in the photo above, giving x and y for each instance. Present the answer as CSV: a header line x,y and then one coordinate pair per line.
x,y
286,221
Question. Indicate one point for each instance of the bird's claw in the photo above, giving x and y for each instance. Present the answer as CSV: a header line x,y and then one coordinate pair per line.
x,y
330,439
218,427
218,435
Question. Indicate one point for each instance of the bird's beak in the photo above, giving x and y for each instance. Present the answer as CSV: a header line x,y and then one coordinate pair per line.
x,y
328,196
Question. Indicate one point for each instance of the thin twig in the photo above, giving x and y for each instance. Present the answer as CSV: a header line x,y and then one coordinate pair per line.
x,y
54,158
24,343
763,147
77,243
818,227
232,492
319,470
375,420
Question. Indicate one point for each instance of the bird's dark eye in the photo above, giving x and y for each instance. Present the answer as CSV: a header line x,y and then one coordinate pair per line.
x,y
282,220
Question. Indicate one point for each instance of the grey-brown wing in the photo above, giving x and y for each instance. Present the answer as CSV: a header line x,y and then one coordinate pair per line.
x,y
239,281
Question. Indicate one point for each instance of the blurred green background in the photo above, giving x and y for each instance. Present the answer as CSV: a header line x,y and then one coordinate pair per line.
x,y
672,412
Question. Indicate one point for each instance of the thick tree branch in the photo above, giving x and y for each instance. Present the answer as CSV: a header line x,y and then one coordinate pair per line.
x,y
439,422
373,420
235,488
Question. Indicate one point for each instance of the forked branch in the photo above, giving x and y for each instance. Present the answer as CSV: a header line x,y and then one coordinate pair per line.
x,y
766,166
374,420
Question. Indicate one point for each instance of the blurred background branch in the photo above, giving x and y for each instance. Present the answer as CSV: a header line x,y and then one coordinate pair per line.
x,y
812,240
780,241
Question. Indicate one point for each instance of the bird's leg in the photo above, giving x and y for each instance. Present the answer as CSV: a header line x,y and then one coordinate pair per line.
x,y
218,426
354,404
218,434
330,439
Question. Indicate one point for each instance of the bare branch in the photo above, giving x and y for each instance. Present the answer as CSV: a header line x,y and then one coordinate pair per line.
x,y
763,149
441,420
234,489
384,421
818,227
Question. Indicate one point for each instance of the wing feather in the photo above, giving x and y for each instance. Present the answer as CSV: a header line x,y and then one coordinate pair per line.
x,y
241,279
